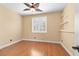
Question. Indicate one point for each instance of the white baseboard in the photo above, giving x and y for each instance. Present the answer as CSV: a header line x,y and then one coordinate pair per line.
x,y
42,41
66,49
6,45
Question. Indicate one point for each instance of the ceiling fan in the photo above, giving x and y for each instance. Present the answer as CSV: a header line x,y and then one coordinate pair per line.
x,y
32,7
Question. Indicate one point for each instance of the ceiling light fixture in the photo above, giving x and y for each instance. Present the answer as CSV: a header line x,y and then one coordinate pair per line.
x,y
32,10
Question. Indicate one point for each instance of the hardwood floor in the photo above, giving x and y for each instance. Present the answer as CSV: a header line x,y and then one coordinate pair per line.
x,y
29,48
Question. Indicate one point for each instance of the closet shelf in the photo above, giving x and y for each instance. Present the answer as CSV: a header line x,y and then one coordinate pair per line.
x,y
64,23
66,31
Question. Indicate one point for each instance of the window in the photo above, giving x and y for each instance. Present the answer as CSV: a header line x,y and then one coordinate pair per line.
x,y
39,24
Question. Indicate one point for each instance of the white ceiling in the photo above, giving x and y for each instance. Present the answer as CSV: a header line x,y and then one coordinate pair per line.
x,y
46,7
77,8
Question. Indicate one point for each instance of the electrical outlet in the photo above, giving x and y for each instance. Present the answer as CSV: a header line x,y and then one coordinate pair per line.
x,y
34,37
10,40
61,40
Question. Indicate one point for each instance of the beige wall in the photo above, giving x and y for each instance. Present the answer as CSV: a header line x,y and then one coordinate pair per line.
x,y
54,20
10,26
67,33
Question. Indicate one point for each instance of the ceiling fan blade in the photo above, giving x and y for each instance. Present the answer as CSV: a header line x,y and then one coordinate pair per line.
x,y
36,5
27,4
26,9
38,10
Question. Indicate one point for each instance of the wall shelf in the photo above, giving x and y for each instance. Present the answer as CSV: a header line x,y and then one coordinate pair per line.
x,y
66,31
66,22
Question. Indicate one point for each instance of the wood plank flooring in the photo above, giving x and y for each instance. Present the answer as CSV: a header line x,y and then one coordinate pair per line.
x,y
31,48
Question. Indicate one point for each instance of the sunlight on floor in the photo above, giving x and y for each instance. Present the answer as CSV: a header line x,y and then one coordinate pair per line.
x,y
35,52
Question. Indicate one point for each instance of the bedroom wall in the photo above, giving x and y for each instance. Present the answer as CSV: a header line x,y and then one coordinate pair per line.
x,y
53,27
67,33
10,26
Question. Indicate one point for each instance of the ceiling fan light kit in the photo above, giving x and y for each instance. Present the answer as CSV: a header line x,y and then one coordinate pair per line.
x,y
32,10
